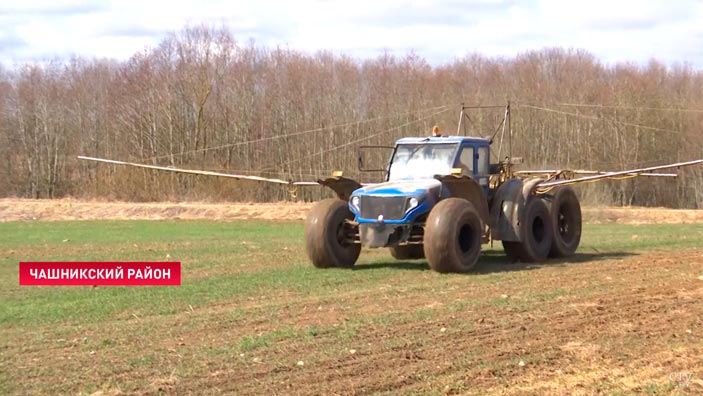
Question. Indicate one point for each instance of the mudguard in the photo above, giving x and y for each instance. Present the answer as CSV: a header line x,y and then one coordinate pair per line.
x,y
344,187
508,206
462,186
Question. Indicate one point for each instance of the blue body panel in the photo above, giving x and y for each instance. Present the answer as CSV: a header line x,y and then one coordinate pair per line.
x,y
427,191
424,190
409,217
445,139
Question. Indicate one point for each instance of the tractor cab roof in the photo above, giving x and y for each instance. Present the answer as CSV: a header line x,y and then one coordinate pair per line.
x,y
443,139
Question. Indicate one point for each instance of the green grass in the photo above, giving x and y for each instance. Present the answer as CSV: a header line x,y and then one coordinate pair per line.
x,y
243,278
217,263
618,237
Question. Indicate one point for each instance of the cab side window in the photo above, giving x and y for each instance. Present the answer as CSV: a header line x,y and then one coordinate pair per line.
x,y
483,160
466,161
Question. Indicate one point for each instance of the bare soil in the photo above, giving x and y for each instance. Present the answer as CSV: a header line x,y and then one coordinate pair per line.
x,y
618,322
69,209
616,326
620,331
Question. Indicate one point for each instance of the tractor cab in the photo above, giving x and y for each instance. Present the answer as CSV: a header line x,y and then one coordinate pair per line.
x,y
421,173
422,158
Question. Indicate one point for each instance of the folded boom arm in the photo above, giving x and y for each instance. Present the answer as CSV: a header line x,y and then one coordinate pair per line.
x,y
548,184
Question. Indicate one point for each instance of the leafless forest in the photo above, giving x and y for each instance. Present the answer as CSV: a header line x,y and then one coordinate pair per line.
x,y
203,100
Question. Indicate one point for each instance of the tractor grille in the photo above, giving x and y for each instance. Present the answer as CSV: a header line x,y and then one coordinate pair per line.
x,y
392,208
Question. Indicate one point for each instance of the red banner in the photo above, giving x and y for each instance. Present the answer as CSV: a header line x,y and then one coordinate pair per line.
x,y
77,273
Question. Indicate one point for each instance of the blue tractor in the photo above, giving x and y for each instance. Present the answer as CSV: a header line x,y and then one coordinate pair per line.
x,y
441,199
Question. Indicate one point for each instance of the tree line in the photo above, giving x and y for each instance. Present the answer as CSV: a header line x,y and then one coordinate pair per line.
x,y
203,100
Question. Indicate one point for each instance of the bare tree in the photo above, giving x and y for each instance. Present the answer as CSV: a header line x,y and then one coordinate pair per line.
x,y
201,99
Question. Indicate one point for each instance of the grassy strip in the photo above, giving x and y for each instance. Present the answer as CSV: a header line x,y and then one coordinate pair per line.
x,y
224,261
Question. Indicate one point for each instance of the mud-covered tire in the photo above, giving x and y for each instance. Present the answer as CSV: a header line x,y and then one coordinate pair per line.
x,y
513,250
407,252
324,235
565,211
453,236
535,231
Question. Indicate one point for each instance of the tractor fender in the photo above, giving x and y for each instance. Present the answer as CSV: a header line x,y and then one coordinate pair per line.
x,y
508,206
342,186
529,186
462,186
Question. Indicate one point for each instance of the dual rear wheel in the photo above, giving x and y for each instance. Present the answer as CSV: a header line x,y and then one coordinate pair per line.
x,y
566,218
550,227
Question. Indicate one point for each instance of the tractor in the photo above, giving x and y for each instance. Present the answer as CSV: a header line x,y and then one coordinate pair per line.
x,y
442,198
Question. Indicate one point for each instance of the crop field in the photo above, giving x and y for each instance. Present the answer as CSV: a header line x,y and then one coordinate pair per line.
x,y
253,317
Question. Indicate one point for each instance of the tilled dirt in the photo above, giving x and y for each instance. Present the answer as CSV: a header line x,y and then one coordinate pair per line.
x,y
603,323
616,326
600,332
70,209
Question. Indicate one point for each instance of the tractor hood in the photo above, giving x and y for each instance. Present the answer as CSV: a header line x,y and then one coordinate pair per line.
x,y
395,202
408,188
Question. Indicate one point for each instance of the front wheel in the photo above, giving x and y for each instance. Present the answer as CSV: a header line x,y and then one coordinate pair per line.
x,y
453,236
329,236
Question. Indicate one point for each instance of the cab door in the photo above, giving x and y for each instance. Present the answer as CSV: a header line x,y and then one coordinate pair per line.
x,y
482,166
473,161
467,160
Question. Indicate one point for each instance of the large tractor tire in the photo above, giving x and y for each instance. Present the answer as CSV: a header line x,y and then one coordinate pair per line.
x,y
327,235
536,231
565,212
453,236
408,252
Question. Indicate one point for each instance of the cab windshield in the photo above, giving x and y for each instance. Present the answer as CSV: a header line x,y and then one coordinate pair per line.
x,y
422,161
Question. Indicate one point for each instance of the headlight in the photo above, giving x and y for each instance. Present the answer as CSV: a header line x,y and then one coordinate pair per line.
x,y
412,203
356,201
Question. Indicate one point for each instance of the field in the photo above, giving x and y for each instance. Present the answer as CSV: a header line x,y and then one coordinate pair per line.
x,y
254,318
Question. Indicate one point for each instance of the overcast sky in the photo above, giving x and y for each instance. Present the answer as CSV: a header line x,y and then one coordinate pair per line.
x,y
438,30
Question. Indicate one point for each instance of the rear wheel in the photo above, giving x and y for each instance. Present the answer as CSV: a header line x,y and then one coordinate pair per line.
x,y
565,213
535,231
329,236
453,236
407,252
